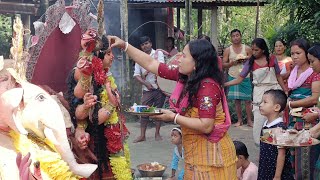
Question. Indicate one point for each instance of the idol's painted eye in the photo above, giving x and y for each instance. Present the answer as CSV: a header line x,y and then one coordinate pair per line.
x,y
40,97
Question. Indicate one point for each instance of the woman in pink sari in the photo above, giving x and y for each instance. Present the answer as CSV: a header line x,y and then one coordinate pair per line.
x,y
201,108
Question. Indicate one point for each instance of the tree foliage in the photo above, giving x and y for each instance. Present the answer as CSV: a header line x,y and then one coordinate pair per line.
x,y
304,20
5,35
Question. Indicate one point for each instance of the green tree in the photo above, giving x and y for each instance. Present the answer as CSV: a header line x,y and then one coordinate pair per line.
x,y
304,20
5,35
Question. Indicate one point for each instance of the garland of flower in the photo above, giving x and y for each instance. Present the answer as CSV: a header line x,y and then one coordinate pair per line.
x,y
117,134
115,131
50,161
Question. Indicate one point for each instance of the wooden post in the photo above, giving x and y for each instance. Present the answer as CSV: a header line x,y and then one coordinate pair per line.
x,y
188,8
199,22
44,4
257,19
170,22
214,28
125,71
178,27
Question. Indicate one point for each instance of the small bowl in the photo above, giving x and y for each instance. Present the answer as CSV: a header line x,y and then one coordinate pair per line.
x,y
156,173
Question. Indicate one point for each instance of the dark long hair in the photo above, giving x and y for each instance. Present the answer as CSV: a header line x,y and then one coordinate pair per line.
x,y
260,43
315,50
303,44
70,97
206,66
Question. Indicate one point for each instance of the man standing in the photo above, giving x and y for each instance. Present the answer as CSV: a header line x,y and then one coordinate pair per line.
x,y
243,91
151,95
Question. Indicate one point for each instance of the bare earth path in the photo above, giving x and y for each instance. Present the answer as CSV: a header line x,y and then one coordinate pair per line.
x,y
161,151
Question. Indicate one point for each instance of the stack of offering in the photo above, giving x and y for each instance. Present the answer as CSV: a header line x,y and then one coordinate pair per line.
x,y
290,137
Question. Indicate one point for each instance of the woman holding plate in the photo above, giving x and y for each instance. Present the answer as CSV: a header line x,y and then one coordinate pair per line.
x,y
304,85
202,110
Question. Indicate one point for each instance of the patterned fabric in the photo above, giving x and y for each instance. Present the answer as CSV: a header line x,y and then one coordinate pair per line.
x,y
264,78
152,98
304,159
312,78
272,64
205,160
268,160
242,91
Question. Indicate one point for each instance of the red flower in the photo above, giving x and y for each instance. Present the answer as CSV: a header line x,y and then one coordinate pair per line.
x,y
91,45
98,71
115,137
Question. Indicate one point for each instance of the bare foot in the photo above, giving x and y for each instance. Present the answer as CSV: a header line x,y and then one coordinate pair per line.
x,y
139,139
158,138
237,124
250,124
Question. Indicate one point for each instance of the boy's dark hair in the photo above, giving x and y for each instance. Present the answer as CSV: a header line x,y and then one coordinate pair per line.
x,y
235,30
203,36
278,97
241,149
144,39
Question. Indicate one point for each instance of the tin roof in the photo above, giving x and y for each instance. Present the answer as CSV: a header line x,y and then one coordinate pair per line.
x,y
206,4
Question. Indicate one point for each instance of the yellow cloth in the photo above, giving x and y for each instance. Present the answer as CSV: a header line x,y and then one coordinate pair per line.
x,y
199,152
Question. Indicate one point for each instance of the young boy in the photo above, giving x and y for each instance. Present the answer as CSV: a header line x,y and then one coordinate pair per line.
x,y
246,170
274,162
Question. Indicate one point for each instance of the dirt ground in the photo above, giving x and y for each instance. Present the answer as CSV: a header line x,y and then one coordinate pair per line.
x,y
161,151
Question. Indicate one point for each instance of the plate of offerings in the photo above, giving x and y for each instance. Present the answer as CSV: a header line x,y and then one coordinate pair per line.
x,y
300,111
142,110
153,169
288,138
241,58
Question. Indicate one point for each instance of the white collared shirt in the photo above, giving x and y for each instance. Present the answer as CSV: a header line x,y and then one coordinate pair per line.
x,y
272,123
151,78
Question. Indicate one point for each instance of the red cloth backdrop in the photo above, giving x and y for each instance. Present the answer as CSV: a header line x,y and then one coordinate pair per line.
x,y
58,56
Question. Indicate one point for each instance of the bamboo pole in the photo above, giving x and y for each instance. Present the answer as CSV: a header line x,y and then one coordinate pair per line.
x,y
178,27
188,8
125,70
199,22
257,19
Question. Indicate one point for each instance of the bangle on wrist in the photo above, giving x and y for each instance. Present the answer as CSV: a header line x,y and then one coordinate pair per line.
x,y
175,118
126,47
82,125
289,104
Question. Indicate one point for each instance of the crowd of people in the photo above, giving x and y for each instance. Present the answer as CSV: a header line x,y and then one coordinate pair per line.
x,y
279,83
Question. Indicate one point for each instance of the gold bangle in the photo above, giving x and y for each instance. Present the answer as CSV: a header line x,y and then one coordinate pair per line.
x,y
85,82
82,125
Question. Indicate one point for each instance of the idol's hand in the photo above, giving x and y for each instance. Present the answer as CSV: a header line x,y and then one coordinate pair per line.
x,y
114,41
166,116
89,100
82,138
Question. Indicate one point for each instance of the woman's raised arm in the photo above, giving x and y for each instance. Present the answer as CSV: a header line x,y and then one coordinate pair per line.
x,y
143,59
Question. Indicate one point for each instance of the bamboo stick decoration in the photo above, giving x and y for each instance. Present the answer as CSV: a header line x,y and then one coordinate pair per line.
x,y
100,18
17,51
